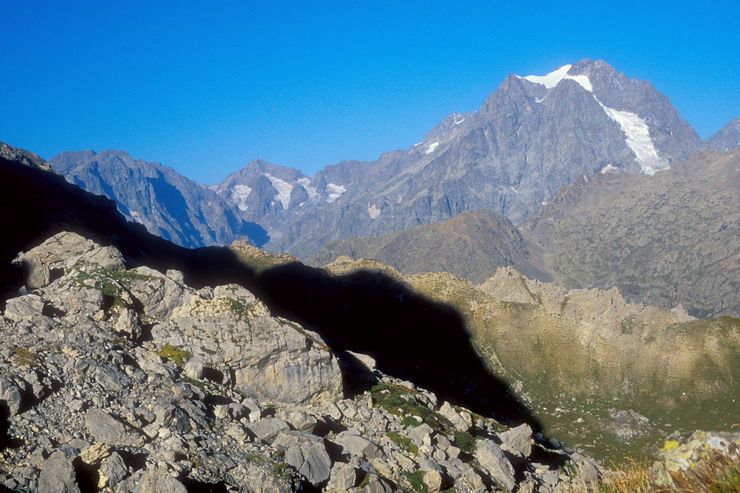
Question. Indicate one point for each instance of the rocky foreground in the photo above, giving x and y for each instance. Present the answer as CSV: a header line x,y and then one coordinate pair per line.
x,y
127,380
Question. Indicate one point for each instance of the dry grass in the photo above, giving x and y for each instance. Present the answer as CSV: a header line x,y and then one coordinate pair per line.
x,y
719,475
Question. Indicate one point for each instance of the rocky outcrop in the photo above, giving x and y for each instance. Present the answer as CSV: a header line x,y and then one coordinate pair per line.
x,y
695,461
129,380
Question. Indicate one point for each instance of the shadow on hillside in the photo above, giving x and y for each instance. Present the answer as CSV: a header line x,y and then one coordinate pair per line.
x,y
410,337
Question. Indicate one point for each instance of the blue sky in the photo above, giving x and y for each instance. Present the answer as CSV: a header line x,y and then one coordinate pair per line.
x,y
205,87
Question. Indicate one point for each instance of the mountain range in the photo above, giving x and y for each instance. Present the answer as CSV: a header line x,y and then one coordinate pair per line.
x,y
521,158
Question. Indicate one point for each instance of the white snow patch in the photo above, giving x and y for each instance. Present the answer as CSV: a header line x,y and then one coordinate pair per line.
x,y
553,78
306,184
431,148
638,139
239,195
458,122
514,190
283,187
609,169
373,211
335,191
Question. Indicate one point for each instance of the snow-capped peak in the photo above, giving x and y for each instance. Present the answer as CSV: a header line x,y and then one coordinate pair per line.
x,y
553,78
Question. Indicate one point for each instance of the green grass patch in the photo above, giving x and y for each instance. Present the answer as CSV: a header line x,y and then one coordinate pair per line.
x,y
175,354
465,442
400,401
404,442
410,422
416,479
25,357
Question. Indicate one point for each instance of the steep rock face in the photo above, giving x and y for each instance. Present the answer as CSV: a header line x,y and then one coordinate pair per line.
x,y
726,139
473,245
165,202
531,137
668,239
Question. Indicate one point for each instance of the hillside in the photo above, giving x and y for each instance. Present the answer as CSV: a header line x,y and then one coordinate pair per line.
x,y
608,375
669,239
473,245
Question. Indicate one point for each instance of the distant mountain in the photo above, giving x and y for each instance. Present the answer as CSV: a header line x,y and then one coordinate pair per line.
x,y
667,239
530,138
165,202
473,244
726,139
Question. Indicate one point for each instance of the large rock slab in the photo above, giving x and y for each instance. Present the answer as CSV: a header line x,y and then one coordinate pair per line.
x,y
271,359
492,459
58,475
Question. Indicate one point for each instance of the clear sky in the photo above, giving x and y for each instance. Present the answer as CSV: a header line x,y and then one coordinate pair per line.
x,y
207,86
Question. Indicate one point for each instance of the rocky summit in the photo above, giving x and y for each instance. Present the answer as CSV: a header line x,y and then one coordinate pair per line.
x,y
128,380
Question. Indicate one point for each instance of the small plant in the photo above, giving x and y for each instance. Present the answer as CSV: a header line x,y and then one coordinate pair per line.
x,y
410,422
404,442
465,442
25,357
175,354
399,400
282,469
416,479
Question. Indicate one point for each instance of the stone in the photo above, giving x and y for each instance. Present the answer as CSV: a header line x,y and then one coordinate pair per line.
x,y
421,435
267,429
299,419
58,475
269,359
311,460
683,457
462,421
105,428
343,477
517,441
95,453
158,481
351,442
492,460
114,469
